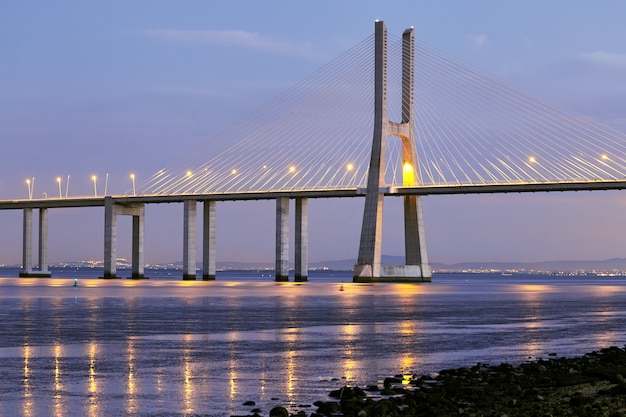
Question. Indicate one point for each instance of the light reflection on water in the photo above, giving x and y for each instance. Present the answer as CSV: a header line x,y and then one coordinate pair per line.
x,y
147,348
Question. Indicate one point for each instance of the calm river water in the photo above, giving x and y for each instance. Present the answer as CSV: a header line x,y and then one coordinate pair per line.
x,y
165,347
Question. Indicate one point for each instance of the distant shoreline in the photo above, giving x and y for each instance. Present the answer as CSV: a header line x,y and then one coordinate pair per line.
x,y
164,269
606,267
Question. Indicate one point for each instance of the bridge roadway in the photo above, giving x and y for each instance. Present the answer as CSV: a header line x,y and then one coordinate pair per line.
x,y
335,193
134,206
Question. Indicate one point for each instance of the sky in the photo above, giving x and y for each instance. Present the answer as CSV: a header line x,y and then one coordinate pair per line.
x,y
121,87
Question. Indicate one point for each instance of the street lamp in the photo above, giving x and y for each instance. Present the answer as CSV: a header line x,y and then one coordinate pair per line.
x,y
106,183
132,178
29,187
59,182
95,192
67,186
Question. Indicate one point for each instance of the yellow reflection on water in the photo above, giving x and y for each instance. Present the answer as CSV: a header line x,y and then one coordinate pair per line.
x,y
350,331
602,336
534,289
131,383
93,384
603,290
291,379
408,333
291,336
188,375
58,386
531,295
27,408
232,364
409,330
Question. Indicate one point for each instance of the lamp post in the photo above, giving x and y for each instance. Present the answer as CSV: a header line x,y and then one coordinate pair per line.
x,y
30,191
59,182
95,190
67,186
106,183
132,179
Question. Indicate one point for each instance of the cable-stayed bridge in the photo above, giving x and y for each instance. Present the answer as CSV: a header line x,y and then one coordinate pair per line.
x,y
390,117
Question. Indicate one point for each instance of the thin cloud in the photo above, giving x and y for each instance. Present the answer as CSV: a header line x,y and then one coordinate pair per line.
x,y
605,59
238,39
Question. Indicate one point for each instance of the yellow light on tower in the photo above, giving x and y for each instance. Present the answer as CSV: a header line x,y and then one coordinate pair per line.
x,y
234,172
408,175
605,157
189,173
532,159
292,168
350,167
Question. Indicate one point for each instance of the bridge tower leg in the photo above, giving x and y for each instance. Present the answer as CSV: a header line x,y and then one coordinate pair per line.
x,y
368,267
208,241
189,240
301,257
282,239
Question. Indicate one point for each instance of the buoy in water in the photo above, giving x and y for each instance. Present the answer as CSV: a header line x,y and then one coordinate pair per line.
x,y
76,282
341,287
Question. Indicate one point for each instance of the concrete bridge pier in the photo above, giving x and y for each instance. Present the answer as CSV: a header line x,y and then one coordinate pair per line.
x,y
111,211
282,239
301,258
27,242
189,240
301,250
137,262
208,241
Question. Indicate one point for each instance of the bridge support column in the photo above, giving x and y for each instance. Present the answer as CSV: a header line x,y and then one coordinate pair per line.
x,y
110,239
301,257
282,239
43,242
189,240
111,211
27,245
209,240
138,241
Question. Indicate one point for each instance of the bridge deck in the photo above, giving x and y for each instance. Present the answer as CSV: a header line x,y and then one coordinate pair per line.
x,y
339,193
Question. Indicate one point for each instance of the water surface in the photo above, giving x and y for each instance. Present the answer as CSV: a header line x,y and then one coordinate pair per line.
x,y
167,347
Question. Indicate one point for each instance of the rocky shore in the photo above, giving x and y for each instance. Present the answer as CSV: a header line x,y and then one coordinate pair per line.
x,y
590,385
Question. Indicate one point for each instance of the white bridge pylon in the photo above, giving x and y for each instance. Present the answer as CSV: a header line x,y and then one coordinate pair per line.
x,y
368,267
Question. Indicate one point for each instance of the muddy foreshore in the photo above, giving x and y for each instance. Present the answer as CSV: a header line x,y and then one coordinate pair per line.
x,y
590,385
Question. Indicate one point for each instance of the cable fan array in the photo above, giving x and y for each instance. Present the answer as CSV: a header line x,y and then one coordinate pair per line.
x,y
469,129
472,129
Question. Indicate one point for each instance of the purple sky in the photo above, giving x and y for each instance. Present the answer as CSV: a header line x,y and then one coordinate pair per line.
x,y
124,87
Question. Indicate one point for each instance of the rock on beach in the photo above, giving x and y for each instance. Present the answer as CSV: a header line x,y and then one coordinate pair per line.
x,y
592,385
